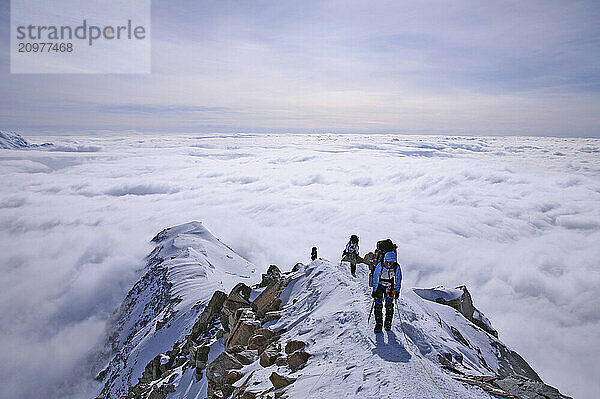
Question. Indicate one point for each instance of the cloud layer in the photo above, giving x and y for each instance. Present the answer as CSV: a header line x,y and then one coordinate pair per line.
x,y
515,219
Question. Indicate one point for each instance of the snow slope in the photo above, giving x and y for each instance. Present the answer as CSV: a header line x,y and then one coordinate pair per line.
x,y
323,306
186,267
327,308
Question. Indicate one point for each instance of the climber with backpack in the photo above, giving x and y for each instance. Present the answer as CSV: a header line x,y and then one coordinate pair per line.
x,y
350,253
383,247
387,278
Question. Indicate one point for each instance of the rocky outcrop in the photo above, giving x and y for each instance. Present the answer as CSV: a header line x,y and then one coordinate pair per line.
x,y
514,386
511,363
174,310
268,300
271,316
211,312
280,381
466,308
269,356
459,298
463,303
244,329
239,298
297,359
273,274
293,346
217,372
246,342
192,353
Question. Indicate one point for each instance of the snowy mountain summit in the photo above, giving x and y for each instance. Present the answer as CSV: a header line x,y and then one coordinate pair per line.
x,y
12,141
202,323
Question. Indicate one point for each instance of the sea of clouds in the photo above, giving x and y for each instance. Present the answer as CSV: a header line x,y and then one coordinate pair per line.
x,y
515,219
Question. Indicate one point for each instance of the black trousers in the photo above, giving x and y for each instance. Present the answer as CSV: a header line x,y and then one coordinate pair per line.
x,y
351,257
383,297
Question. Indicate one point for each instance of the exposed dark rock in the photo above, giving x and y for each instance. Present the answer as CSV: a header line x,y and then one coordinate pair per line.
x,y
297,359
511,363
201,358
444,360
269,334
236,349
232,376
269,356
261,338
237,299
209,314
258,342
514,386
247,356
240,293
244,329
465,306
152,370
271,316
280,394
268,300
458,357
293,346
155,281
217,370
280,381
241,393
273,274
459,337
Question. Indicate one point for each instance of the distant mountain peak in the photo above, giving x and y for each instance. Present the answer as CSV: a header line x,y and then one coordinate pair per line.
x,y
12,140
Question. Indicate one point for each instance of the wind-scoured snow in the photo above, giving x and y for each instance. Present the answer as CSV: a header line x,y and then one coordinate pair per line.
x,y
329,310
187,265
431,294
323,305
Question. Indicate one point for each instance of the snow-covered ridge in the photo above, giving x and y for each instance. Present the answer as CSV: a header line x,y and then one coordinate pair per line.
x,y
187,265
12,141
179,331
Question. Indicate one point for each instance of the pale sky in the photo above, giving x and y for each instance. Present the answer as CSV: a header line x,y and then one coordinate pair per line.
x,y
482,68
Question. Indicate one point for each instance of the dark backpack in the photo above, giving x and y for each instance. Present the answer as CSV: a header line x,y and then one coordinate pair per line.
x,y
383,247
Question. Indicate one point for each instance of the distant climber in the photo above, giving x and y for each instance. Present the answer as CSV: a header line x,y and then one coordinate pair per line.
x,y
387,278
350,253
313,254
383,247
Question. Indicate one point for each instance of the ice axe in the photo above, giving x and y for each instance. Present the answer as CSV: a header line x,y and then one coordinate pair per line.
x,y
371,311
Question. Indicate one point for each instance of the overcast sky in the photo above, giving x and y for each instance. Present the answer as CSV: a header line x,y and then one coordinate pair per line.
x,y
506,68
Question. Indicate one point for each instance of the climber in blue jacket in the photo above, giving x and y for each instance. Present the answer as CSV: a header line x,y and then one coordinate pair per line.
x,y
387,278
